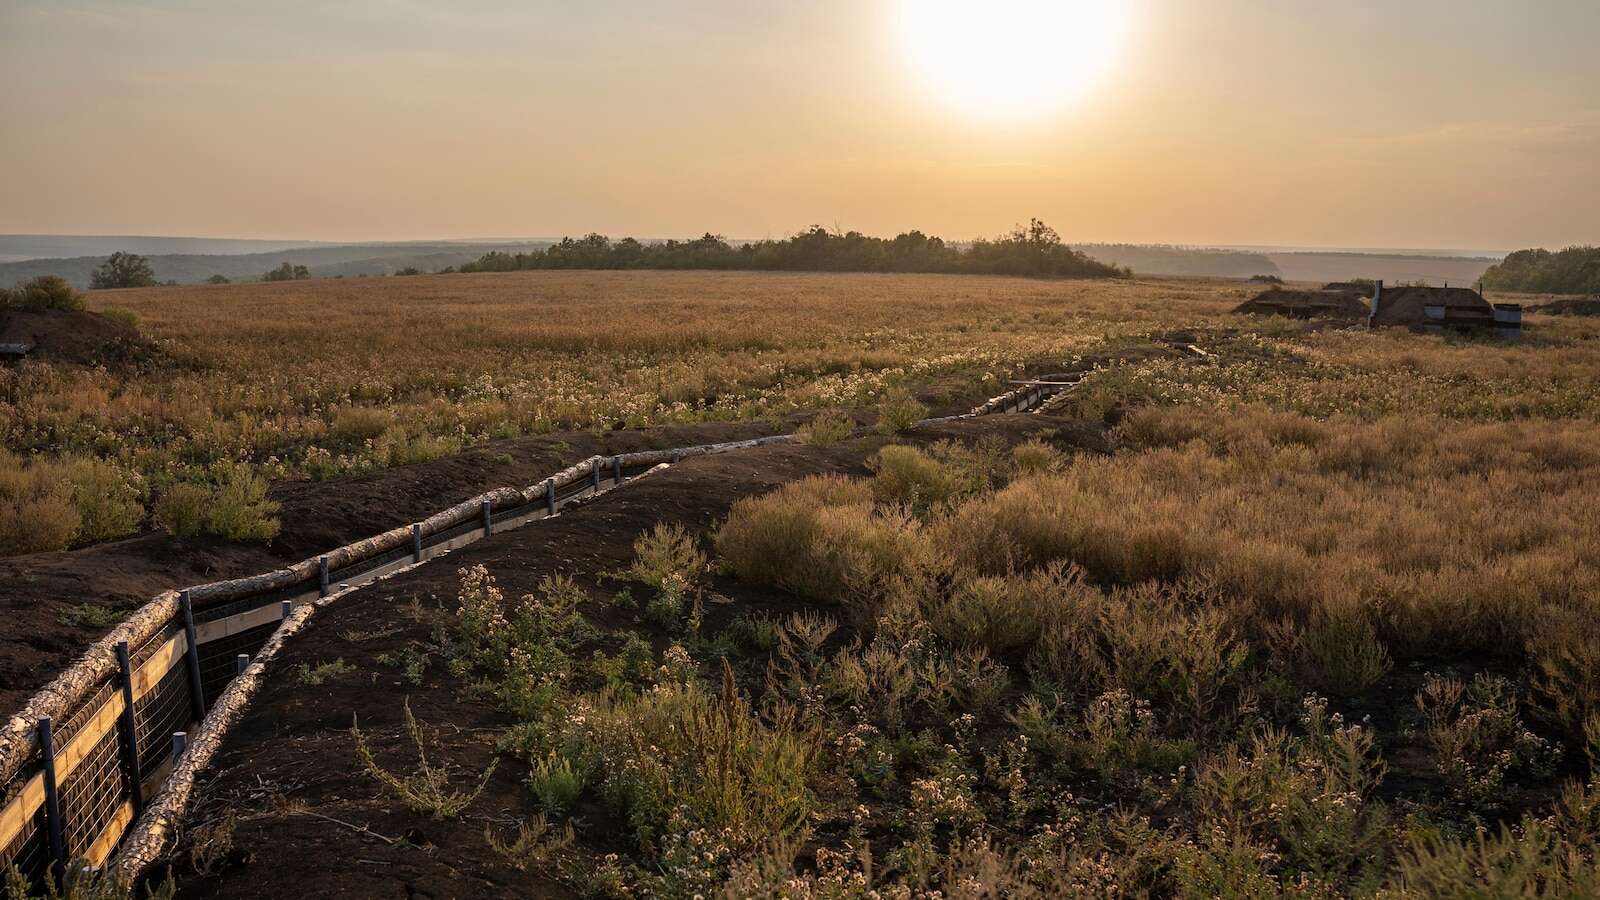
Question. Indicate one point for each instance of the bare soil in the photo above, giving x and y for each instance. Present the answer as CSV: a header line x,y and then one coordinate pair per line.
x,y
77,337
311,822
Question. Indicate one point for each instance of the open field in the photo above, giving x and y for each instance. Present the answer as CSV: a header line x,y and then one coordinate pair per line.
x,y
332,377
1312,614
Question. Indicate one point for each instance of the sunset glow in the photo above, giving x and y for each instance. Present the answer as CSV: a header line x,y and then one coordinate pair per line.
x,y
1019,57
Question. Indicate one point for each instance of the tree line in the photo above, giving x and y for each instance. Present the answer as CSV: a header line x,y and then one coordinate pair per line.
x,y
1032,250
1575,270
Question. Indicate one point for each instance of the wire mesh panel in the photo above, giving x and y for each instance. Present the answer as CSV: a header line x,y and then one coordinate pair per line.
x,y
29,852
29,849
219,658
92,795
158,714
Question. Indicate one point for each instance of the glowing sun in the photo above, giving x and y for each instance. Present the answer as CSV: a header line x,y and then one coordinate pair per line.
x,y
1011,58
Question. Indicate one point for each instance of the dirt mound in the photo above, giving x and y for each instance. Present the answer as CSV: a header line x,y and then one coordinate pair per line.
x,y
76,337
1572,306
1305,305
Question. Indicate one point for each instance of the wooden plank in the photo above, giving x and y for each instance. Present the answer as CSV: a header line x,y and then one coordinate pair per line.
x,y
21,809
87,737
101,849
149,674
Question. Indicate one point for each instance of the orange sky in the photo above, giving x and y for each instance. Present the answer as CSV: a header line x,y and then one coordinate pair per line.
x,y
1429,124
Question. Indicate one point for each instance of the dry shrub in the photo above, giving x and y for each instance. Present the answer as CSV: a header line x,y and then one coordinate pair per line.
x,y
898,411
680,753
1169,646
822,539
1532,859
36,509
181,509
1450,536
1340,653
826,429
1035,457
1008,613
51,504
908,475
1564,651
1119,531
426,788
666,557
354,424
1477,736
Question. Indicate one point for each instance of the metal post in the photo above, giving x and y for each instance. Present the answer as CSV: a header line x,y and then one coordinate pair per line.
x,y
416,542
550,496
488,517
284,609
197,697
52,802
616,469
594,474
180,743
240,663
130,729
322,576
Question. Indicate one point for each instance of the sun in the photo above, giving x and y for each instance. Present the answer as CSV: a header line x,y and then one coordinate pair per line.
x,y
1011,58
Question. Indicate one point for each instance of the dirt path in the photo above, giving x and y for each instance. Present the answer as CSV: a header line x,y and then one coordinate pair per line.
x,y
289,771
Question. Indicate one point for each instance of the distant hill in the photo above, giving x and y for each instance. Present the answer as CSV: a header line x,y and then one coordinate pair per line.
x,y
19,247
1163,259
323,260
1293,265
1394,268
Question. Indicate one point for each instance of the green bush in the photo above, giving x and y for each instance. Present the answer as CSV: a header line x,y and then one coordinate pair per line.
x,y
826,429
181,509
36,509
41,293
240,510
681,758
898,411
126,316
667,558
109,500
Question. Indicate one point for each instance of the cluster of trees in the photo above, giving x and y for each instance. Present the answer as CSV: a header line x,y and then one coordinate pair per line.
x,y
1033,250
1575,270
123,270
287,272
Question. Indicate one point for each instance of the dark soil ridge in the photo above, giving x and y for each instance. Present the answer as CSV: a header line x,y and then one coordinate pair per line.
x,y
77,337
288,771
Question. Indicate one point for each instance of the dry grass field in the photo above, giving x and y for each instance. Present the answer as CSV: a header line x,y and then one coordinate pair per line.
x,y
321,378
1313,615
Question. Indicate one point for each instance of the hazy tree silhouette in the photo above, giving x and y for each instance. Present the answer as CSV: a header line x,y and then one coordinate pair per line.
x,y
123,270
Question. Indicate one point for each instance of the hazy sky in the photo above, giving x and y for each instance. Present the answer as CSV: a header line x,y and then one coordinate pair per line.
x,y
1402,123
